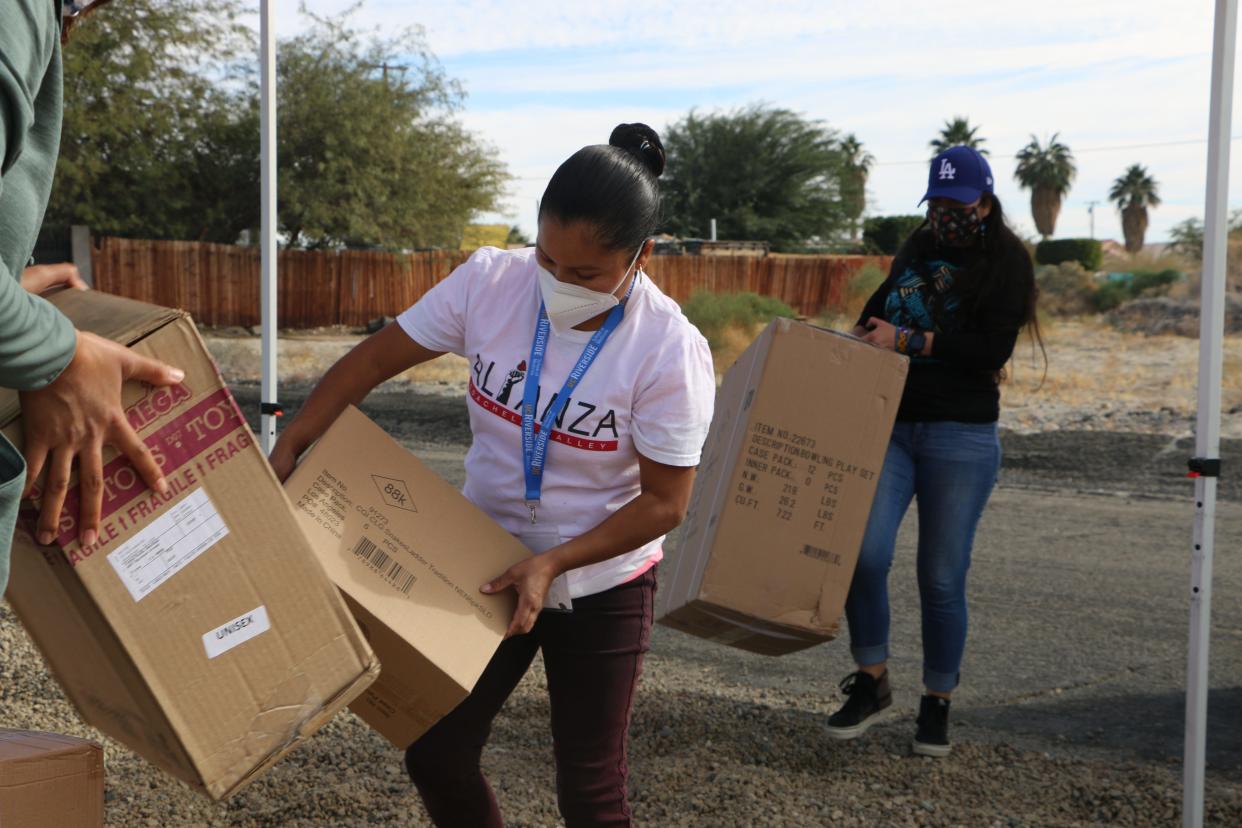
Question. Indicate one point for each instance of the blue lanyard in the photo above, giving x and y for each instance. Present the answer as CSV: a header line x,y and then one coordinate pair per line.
x,y
535,443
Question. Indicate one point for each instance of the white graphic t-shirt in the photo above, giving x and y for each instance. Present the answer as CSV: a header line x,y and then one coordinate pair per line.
x,y
650,391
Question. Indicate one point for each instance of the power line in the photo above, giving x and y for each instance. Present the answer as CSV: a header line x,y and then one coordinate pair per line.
x,y
924,162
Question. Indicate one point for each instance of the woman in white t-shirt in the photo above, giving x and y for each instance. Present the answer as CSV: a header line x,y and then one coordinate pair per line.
x,y
590,396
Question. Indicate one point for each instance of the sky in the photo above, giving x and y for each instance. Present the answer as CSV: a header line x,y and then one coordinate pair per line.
x,y
1120,82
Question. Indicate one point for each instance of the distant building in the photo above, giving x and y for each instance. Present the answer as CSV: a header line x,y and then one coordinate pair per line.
x,y
1112,248
668,246
1116,248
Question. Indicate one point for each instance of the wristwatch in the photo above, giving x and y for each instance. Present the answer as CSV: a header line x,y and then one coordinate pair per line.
x,y
916,344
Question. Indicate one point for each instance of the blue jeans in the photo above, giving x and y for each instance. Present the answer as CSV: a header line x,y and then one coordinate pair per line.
x,y
951,468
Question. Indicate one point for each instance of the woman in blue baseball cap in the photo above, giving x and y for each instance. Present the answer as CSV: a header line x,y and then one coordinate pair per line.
x,y
959,291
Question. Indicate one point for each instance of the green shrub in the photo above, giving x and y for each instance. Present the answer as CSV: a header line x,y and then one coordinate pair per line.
x,y
1065,290
1153,282
1087,252
1109,295
1122,287
884,234
715,313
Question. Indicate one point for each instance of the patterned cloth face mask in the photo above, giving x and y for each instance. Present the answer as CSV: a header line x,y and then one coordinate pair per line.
x,y
955,226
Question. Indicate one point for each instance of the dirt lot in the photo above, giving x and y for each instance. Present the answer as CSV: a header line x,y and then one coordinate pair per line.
x,y
1069,714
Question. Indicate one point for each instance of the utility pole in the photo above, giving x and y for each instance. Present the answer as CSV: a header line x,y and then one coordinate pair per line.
x,y
1091,213
385,66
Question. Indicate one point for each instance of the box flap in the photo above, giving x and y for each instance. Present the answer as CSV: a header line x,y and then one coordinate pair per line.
x,y
113,317
21,745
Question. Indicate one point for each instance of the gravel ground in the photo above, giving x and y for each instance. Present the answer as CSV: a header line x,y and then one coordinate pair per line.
x,y
723,738
705,753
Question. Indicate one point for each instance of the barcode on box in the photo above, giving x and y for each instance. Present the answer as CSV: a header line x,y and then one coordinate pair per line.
x,y
384,566
821,554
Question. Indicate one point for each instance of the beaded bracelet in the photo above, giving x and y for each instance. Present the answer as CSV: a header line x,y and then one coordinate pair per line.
x,y
903,340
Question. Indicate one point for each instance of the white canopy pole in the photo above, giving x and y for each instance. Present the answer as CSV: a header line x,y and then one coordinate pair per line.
x,y
267,173
1206,462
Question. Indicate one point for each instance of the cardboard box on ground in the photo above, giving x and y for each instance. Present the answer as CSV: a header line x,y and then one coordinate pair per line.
x,y
409,552
200,630
802,424
50,781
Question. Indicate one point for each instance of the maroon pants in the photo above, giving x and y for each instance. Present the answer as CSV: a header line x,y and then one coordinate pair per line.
x,y
592,658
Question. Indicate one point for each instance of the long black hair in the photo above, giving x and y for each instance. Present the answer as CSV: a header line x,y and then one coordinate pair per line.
x,y
993,271
613,187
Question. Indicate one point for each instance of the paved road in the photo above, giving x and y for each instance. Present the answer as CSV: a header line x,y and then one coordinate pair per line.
x,y
1079,602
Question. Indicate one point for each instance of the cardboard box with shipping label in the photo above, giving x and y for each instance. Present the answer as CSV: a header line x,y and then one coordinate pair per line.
x,y
782,496
50,781
409,552
200,629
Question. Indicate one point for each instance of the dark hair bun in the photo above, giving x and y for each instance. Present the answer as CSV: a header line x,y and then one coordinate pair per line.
x,y
643,142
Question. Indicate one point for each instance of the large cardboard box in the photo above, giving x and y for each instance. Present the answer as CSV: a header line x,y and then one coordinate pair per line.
x,y
50,781
803,420
200,630
409,552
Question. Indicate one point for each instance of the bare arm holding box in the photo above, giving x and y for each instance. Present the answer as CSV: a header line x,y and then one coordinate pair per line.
x,y
379,357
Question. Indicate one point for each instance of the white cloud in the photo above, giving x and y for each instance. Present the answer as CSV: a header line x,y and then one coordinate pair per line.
x,y
494,25
1101,73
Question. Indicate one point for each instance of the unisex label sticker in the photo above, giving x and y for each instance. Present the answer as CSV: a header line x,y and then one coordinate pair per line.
x,y
238,631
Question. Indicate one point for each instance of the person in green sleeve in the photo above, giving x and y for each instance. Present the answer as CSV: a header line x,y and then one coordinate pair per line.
x,y
69,381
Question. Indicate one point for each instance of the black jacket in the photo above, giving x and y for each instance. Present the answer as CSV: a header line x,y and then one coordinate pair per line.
x,y
975,323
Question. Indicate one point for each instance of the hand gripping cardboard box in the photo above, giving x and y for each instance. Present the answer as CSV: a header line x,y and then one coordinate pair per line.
x,y
409,552
802,424
50,781
200,630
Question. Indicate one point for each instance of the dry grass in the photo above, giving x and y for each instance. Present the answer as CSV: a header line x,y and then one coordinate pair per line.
x,y
1087,356
1094,369
1148,260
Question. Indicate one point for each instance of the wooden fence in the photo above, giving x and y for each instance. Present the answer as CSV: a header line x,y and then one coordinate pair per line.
x,y
219,284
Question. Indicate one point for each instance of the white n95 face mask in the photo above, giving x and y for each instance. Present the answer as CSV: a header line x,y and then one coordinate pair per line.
x,y
569,305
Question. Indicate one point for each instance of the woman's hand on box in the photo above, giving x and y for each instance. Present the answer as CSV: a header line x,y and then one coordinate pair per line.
x,y
880,333
74,417
37,279
530,579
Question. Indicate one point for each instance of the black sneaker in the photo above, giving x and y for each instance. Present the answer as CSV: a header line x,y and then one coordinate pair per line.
x,y
868,696
932,738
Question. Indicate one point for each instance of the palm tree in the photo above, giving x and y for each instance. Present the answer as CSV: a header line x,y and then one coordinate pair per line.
x,y
958,132
1134,192
1047,172
857,169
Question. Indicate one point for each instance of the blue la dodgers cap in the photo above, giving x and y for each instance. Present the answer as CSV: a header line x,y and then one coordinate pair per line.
x,y
960,173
